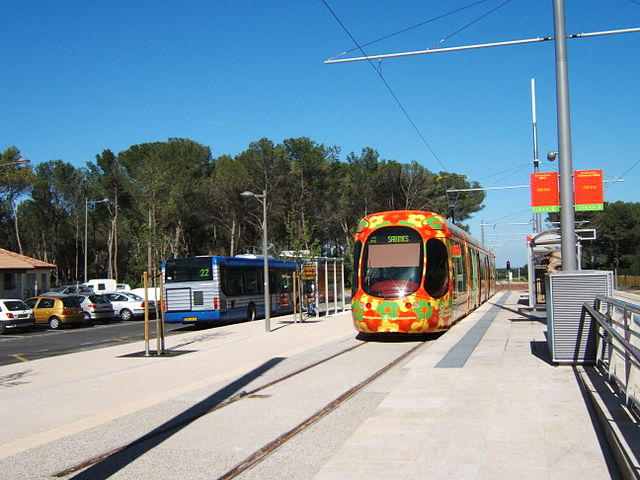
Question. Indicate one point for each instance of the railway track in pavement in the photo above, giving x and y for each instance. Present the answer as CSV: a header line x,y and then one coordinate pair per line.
x,y
247,427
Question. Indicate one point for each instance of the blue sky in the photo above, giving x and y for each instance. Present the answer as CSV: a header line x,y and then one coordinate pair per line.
x,y
81,77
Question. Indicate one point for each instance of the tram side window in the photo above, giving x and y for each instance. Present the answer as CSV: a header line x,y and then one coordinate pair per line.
x,y
436,281
356,260
461,267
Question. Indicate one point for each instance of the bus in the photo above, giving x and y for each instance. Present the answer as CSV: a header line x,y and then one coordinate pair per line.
x,y
215,288
415,272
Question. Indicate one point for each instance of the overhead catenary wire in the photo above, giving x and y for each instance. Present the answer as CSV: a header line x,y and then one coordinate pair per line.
x,y
404,30
502,172
482,45
464,27
628,170
395,97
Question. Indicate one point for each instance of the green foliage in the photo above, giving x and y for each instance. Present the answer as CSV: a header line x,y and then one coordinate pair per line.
x,y
166,199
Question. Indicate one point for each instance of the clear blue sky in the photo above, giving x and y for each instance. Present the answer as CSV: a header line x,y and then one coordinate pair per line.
x,y
80,77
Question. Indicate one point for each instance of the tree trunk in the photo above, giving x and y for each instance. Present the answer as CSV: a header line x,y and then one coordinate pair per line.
x,y
15,224
232,249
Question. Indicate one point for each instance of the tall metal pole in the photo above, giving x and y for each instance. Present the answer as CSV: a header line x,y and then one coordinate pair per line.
x,y
537,218
267,295
86,208
567,215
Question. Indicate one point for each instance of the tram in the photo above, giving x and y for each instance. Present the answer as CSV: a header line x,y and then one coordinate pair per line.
x,y
415,272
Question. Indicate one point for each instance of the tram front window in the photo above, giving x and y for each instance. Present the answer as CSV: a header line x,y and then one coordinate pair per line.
x,y
393,262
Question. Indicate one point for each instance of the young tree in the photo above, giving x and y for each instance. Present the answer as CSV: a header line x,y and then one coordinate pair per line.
x,y
15,181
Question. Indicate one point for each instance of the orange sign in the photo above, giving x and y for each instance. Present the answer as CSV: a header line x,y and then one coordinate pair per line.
x,y
544,192
587,187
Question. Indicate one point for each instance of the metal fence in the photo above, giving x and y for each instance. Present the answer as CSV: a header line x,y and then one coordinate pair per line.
x,y
618,342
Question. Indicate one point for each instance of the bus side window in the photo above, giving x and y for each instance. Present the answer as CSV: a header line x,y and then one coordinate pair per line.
x,y
234,283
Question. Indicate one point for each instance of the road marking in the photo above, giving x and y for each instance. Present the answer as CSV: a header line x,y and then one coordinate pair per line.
x,y
19,357
123,340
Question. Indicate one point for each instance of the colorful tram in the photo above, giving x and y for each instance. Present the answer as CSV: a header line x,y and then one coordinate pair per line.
x,y
415,272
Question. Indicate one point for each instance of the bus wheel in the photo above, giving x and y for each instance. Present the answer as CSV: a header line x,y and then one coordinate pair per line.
x,y
251,312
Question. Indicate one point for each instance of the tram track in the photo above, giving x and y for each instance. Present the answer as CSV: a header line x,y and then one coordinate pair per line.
x,y
270,447
261,453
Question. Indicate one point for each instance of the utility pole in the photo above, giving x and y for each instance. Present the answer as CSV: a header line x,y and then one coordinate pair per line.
x,y
567,215
537,221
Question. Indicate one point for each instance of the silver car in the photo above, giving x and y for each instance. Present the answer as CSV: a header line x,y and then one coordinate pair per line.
x,y
96,307
15,313
128,305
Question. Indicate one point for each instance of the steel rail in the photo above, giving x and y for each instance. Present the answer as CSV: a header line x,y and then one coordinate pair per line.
x,y
270,447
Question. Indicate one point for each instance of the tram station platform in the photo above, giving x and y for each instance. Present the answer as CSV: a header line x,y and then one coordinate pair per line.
x,y
482,401
486,402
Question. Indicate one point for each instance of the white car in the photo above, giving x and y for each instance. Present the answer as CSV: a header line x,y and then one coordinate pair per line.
x,y
128,305
15,313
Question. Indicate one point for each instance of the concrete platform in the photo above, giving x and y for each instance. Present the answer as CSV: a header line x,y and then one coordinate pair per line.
x,y
492,407
483,401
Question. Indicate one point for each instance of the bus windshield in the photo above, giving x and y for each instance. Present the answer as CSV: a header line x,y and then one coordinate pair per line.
x,y
188,269
392,265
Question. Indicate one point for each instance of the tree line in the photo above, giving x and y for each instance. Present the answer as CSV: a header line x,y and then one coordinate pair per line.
x,y
160,200
617,245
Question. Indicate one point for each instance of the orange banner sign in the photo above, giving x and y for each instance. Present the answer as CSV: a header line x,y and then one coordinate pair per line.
x,y
544,192
587,187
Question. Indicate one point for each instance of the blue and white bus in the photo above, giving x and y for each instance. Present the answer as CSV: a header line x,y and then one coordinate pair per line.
x,y
210,289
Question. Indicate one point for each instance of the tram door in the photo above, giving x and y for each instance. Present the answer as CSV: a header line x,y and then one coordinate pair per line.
x,y
460,283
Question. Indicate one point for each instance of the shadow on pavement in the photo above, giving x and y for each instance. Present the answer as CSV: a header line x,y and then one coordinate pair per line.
x,y
109,463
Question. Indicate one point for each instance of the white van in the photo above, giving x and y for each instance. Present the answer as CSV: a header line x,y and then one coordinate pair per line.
x,y
100,285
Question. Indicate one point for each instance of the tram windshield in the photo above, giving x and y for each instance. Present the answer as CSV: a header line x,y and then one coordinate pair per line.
x,y
392,263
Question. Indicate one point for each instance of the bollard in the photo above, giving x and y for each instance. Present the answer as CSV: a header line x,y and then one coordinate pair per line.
x,y
145,281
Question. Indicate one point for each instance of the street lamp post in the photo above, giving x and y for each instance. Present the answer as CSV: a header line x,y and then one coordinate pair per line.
x,y
20,161
86,214
262,198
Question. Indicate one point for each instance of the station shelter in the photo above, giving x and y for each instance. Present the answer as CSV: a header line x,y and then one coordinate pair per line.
x,y
319,285
544,257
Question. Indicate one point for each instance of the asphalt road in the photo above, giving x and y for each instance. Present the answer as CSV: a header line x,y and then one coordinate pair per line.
x,y
42,342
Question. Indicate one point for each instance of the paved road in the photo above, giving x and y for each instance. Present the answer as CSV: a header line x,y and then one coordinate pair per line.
x,y
43,342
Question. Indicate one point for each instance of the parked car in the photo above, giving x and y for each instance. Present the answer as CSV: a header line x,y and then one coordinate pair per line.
x,y
129,305
70,290
15,313
56,310
95,307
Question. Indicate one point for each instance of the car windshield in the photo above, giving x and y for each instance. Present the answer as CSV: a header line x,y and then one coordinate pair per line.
x,y
133,296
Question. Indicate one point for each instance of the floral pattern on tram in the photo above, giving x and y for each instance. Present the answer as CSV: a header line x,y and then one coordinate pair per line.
x,y
418,312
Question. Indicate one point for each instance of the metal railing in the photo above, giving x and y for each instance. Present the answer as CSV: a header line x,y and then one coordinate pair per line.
x,y
618,342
